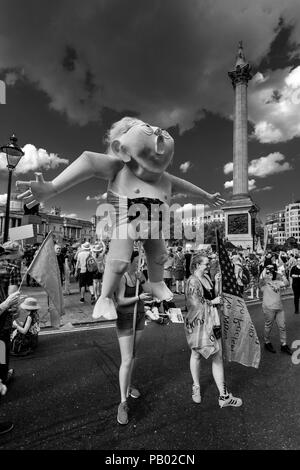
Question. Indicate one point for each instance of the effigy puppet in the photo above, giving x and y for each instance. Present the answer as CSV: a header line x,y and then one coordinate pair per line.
x,y
135,164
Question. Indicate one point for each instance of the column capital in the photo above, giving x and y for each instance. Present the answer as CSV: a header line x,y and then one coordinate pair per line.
x,y
241,74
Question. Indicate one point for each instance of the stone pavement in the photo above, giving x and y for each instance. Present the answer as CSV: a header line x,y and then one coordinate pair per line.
x,y
77,314
65,396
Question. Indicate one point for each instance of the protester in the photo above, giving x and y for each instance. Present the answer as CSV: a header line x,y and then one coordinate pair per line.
x,y
290,263
28,257
144,264
214,266
203,329
61,262
7,306
10,279
126,299
270,261
179,268
188,257
73,252
253,268
25,338
67,271
5,426
85,277
238,271
98,252
281,263
273,308
295,276
10,263
168,269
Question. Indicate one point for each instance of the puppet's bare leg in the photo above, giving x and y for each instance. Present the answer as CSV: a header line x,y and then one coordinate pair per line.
x,y
117,261
156,257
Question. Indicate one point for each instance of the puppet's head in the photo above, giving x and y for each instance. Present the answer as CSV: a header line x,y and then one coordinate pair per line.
x,y
140,145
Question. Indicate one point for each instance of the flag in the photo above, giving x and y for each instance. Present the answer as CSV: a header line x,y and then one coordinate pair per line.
x,y
240,341
44,269
266,237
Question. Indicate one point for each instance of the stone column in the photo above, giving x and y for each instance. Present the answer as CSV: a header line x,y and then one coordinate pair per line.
x,y
240,147
240,77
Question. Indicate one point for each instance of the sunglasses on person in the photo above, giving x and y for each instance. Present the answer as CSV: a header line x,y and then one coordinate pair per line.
x,y
269,272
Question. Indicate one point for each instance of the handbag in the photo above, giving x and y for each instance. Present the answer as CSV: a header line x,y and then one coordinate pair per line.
x,y
17,344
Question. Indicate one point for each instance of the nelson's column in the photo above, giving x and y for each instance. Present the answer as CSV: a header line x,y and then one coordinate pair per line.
x,y
240,210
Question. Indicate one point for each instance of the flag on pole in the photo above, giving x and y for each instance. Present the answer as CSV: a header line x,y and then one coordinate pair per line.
x,y
266,237
45,270
240,341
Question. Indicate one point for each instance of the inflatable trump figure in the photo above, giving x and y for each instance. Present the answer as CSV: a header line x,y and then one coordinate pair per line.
x,y
135,167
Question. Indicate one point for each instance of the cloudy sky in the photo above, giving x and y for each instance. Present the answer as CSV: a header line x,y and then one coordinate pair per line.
x,y
72,68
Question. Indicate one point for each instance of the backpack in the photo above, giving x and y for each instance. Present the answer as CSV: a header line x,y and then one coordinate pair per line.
x,y
245,276
101,264
254,268
179,261
91,264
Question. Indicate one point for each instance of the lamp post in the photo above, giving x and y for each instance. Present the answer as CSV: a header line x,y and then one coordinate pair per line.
x,y
13,154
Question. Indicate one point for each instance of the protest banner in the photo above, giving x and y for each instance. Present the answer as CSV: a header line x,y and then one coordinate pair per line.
x,y
239,337
21,233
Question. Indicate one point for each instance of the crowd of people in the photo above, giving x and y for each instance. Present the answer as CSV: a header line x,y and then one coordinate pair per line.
x,y
189,272
198,277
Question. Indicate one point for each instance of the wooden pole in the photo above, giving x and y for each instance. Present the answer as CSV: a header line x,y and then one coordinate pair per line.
x,y
136,294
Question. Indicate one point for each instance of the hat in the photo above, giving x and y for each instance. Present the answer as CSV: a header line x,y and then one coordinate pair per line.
x,y
10,250
11,247
86,246
30,303
98,247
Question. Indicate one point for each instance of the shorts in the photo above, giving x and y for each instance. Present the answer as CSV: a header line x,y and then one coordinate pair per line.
x,y
98,276
85,279
124,323
179,274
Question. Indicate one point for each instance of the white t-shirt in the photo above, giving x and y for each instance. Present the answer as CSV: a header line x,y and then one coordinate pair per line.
x,y
81,260
272,294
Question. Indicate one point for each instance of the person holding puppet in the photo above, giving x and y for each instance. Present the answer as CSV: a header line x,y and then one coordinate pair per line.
x,y
135,164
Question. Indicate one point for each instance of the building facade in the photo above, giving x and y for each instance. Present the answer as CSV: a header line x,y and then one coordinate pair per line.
x,y
284,224
292,220
275,224
208,217
65,229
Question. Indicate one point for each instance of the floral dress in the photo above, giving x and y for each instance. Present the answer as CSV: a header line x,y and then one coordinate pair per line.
x,y
202,322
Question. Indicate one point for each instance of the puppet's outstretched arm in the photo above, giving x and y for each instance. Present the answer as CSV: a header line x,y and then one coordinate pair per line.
x,y
89,164
183,186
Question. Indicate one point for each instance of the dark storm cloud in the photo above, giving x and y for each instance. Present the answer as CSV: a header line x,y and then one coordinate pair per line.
x,y
164,60
69,59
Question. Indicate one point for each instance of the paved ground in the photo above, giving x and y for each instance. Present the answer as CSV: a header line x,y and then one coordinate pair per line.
x,y
66,395
76,313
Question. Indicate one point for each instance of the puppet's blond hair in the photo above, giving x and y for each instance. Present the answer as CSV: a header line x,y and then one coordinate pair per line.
x,y
119,128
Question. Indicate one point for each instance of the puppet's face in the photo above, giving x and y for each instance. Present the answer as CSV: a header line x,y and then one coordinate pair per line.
x,y
148,147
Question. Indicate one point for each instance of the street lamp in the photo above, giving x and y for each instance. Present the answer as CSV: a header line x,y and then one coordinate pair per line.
x,y
13,154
